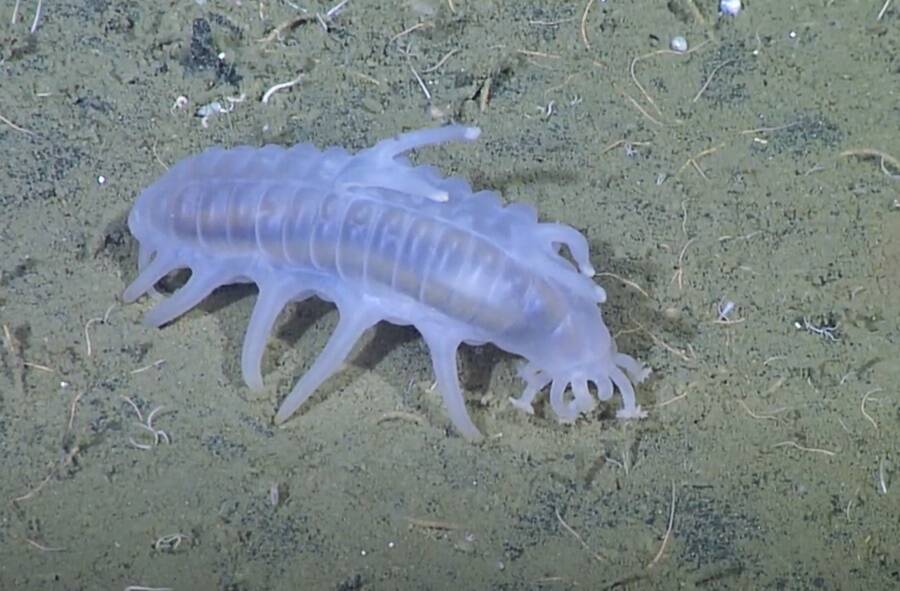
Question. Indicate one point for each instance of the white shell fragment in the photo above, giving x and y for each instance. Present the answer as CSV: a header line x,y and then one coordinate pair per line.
x,y
679,44
730,7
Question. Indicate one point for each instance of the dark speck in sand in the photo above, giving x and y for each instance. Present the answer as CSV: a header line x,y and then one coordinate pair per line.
x,y
203,55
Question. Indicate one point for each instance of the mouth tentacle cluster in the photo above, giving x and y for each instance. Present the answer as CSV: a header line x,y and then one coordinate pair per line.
x,y
569,403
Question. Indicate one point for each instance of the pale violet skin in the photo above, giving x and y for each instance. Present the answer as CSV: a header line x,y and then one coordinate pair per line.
x,y
384,240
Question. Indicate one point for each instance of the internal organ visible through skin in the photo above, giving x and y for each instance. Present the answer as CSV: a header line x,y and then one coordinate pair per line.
x,y
369,242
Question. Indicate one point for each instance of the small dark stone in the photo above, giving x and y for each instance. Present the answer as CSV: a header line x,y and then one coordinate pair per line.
x,y
353,583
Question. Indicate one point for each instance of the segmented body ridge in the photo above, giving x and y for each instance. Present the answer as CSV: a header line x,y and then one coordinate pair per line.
x,y
378,241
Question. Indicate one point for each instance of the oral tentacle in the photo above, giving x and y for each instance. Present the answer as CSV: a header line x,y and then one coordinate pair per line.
x,y
636,370
630,408
604,387
565,413
582,402
536,383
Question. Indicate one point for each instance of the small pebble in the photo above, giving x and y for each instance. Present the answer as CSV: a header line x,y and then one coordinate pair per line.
x,y
678,44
